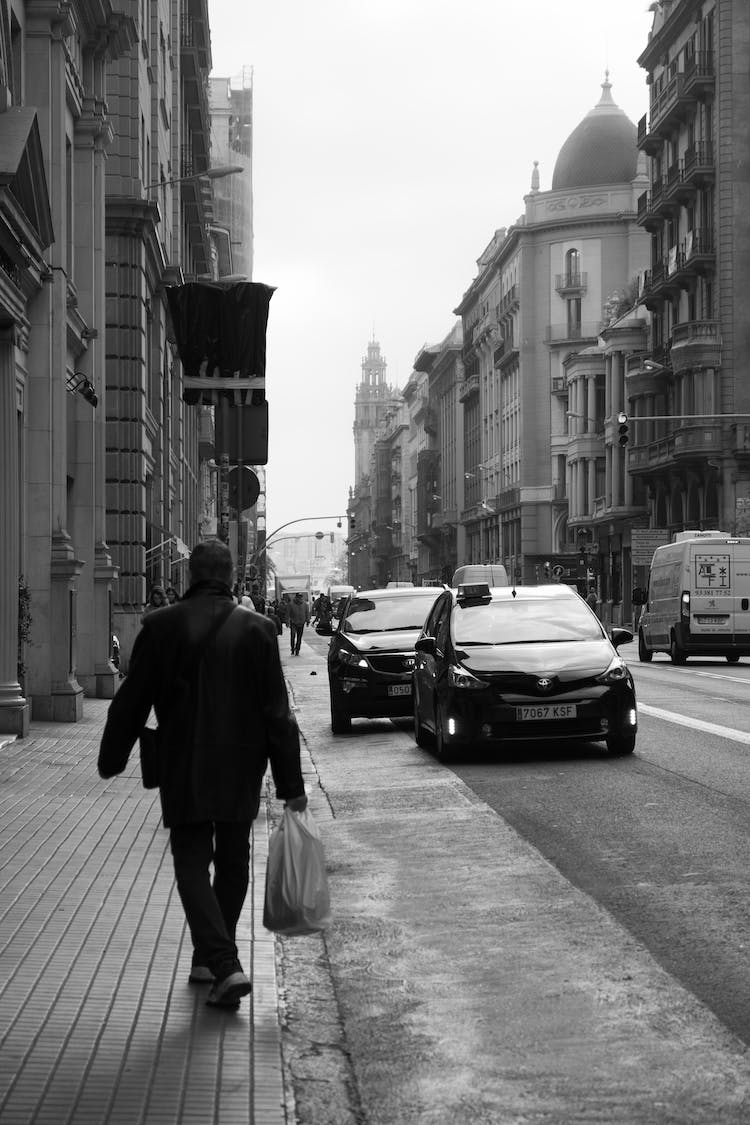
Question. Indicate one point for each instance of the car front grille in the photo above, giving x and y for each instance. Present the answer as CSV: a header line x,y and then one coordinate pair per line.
x,y
392,663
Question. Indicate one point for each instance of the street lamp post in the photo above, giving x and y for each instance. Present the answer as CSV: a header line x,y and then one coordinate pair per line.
x,y
260,553
217,173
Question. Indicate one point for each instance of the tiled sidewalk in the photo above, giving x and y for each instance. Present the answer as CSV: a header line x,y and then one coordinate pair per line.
x,y
97,1021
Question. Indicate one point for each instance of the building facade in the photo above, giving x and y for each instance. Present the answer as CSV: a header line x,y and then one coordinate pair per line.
x,y
57,575
692,447
538,423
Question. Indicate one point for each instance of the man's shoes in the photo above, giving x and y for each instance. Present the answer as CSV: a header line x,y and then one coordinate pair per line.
x,y
201,974
227,992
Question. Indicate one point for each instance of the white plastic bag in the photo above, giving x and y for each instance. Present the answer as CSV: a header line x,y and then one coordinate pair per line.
x,y
297,899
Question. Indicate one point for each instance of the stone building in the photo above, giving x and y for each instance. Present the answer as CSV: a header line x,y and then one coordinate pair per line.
x,y
538,436
55,131
692,447
158,233
104,133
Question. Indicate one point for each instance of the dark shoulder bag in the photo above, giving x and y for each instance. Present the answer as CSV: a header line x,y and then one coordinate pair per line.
x,y
148,741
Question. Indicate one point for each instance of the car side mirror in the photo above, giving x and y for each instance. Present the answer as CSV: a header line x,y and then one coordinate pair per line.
x,y
620,636
639,595
426,645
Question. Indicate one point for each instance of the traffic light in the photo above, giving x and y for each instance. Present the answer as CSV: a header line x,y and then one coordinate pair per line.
x,y
622,428
352,523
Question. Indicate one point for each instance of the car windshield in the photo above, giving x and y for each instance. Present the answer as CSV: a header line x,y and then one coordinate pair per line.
x,y
538,621
386,615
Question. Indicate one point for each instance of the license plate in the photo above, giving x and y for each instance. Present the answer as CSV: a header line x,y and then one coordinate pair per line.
x,y
706,619
547,711
399,689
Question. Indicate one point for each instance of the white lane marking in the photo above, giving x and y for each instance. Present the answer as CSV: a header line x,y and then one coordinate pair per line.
x,y
718,676
696,724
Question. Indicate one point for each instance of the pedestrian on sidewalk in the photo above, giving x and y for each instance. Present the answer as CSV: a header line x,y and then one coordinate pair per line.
x,y
299,616
211,671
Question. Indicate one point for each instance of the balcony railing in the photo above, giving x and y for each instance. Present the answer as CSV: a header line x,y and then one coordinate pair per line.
x,y
667,105
469,387
698,163
571,282
509,301
699,74
696,332
560,333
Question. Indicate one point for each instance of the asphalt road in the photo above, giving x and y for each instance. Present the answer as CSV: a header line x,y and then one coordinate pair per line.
x,y
659,839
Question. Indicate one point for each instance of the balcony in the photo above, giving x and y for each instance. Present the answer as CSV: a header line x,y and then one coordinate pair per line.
x,y
696,343
570,333
662,280
670,106
698,251
650,143
699,78
571,284
698,164
640,380
469,387
508,302
509,356
688,443
675,189
649,215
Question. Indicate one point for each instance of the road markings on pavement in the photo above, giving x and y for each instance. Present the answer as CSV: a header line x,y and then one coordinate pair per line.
x,y
695,724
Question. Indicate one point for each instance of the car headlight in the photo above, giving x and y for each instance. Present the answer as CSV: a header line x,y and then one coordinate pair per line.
x,y
616,673
458,677
353,658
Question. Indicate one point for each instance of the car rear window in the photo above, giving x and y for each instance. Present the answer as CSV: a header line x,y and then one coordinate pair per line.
x,y
527,622
386,615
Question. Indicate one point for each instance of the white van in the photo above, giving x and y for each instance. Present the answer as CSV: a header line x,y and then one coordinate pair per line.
x,y
494,574
338,593
698,598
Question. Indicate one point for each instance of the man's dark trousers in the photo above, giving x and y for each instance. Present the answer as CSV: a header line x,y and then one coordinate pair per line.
x,y
212,912
296,638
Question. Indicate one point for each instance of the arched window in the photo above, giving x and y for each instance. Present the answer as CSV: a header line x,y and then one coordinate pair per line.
x,y
573,267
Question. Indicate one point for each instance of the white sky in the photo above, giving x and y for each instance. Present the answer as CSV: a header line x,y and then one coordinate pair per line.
x,y
392,138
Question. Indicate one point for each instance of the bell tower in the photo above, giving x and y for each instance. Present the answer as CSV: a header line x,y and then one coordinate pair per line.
x,y
372,400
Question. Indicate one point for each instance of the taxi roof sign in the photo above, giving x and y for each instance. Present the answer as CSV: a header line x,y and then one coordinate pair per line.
x,y
473,591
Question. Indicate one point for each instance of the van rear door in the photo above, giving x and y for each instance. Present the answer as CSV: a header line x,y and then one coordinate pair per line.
x,y
714,589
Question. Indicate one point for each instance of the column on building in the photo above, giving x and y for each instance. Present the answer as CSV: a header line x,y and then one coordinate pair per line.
x,y
14,707
96,673
53,565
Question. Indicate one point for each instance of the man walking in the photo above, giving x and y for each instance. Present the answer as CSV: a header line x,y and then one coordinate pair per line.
x,y
298,618
211,671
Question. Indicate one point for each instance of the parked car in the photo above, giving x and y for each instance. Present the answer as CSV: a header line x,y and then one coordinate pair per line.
x,y
371,654
520,664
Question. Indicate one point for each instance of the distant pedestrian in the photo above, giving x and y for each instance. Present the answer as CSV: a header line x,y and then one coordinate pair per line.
x,y
282,609
171,595
299,616
157,599
591,598
212,673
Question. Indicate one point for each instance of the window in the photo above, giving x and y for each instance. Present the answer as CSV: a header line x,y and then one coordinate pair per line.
x,y
574,318
572,267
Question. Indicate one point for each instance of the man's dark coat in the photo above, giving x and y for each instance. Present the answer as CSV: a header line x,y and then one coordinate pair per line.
x,y
222,710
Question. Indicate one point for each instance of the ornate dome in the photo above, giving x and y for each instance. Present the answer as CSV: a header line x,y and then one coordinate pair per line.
x,y
601,150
